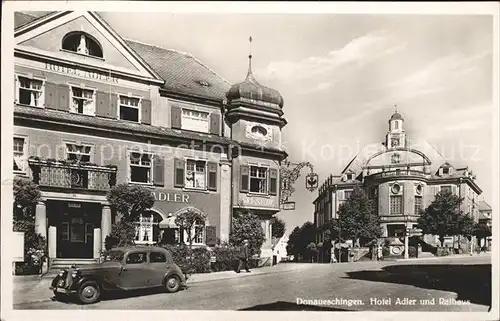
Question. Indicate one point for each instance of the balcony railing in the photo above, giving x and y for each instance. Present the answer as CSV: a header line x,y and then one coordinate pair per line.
x,y
398,173
72,176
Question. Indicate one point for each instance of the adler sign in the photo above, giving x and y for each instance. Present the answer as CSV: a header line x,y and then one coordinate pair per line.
x,y
170,197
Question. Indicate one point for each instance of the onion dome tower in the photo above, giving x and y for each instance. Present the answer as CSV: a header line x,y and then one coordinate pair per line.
x,y
254,112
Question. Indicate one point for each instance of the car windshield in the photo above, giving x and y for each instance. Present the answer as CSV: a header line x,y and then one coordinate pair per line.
x,y
114,256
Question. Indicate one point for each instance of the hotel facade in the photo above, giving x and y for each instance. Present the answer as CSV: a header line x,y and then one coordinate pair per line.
x,y
93,110
401,178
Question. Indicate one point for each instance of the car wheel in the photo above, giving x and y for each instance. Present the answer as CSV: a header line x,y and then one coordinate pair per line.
x,y
172,284
89,292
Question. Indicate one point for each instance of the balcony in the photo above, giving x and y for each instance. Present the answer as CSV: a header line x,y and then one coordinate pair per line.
x,y
56,174
398,173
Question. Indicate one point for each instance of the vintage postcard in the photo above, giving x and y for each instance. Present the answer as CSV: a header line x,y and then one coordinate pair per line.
x,y
219,160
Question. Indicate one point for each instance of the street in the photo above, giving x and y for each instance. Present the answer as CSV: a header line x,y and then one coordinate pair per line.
x,y
442,284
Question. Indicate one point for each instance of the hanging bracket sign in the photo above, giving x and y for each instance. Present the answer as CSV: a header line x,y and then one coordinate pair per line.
x,y
311,182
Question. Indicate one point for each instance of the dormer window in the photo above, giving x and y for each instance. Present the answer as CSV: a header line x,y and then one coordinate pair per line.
x,y
350,176
446,171
82,43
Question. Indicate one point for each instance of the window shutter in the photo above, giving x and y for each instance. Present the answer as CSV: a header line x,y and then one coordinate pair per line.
x,y
63,97
146,111
215,123
178,172
176,114
210,235
50,95
212,176
453,189
159,170
244,178
106,104
273,181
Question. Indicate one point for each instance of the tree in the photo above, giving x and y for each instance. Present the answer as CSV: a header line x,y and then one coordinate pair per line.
x,y
26,196
122,234
247,226
291,246
278,228
187,221
443,217
299,239
130,201
356,219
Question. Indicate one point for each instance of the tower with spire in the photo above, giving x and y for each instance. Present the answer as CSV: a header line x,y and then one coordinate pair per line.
x,y
254,114
396,136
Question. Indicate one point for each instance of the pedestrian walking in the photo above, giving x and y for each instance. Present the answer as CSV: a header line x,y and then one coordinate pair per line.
x,y
243,257
379,253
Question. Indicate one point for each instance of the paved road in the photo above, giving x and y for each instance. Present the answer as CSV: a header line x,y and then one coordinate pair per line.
x,y
356,287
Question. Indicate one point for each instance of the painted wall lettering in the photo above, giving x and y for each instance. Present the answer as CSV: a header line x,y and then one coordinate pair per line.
x,y
81,73
171,197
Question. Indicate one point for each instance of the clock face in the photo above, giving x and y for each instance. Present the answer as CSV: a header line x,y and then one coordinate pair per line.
x,y
395,142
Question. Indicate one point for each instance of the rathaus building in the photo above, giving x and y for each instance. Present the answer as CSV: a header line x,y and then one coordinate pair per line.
x,y
92,110
401,178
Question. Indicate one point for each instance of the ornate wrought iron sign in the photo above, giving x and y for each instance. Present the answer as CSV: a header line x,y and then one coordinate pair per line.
x,y
311,181
289,173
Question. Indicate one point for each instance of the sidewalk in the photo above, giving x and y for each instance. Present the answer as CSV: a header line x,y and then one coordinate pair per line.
x,y
455,256
33,288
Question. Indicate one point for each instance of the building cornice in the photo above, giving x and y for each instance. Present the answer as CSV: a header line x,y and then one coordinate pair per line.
x,y
23,53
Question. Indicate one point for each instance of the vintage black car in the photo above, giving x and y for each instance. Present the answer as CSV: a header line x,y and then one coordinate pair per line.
x,y
125,268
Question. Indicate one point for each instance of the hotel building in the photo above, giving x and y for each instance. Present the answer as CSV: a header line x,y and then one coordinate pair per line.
x,y
93,110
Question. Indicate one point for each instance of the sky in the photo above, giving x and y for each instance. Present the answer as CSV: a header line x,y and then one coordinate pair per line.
x,y
340,76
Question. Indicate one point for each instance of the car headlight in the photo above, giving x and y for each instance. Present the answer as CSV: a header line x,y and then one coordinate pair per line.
x,y
75,274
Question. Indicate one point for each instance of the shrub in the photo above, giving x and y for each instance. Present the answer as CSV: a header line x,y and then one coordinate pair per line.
x,y
201,260
385,251
442,251
412,251
122,234
247,226
35,248
226,258
24,268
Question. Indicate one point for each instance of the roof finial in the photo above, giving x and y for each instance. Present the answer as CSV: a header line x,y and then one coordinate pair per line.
x,y
395,108
250,77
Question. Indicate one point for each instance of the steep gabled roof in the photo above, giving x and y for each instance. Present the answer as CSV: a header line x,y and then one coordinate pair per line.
x,y
22,18
182,72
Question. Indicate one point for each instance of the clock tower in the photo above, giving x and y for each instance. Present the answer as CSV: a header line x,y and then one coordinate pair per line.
x,y
396,137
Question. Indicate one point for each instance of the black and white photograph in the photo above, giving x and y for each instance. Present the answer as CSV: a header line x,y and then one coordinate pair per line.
x,y
234,156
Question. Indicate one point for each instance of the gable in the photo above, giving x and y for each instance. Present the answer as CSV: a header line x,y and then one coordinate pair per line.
x,y
45,37
397,157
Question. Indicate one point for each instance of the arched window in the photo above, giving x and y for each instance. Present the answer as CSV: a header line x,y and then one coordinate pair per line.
x,y
82,43
396,125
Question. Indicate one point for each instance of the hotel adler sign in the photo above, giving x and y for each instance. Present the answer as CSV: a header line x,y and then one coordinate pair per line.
x,y
171,197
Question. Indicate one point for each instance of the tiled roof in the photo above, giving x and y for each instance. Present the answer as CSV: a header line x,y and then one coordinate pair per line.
x,y
115,124
182,72
24,17
483,206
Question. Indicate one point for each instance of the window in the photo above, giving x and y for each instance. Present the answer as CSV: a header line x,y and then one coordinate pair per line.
x,y
396,204
395,142
30,91
259,131
258,179
19,157
396,125
136,258
418,204
347,194
446,189
80,153
196,174
77,230
82,101
89,233
82,43
157,257
140,167
129,108
144,230
65,231
195,120
199,234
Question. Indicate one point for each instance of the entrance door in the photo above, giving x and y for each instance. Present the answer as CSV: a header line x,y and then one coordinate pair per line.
x,y
75,235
